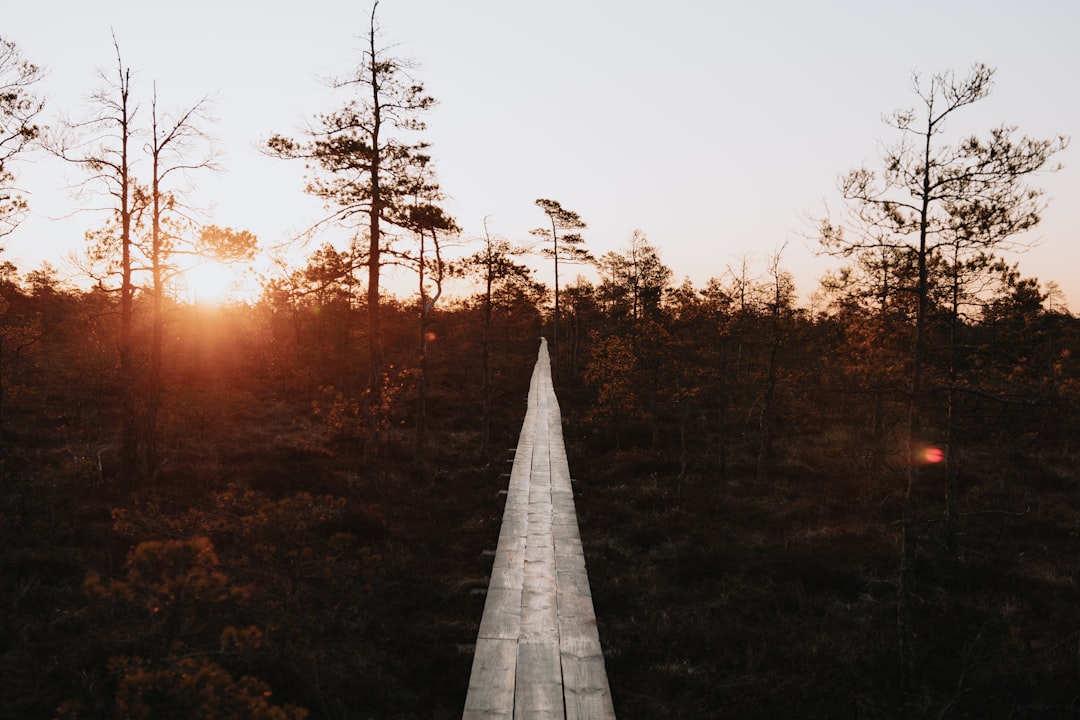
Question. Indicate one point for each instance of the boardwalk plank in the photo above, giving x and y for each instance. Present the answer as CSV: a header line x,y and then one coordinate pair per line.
x,y
539,692
502,614
491,684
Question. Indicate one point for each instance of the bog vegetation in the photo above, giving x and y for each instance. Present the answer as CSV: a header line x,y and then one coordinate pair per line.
x,y
864,507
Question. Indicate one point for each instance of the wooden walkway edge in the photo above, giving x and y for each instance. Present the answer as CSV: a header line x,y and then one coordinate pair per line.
x,y
538,650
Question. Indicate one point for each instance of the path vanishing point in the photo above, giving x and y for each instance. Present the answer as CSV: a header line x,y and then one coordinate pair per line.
x,y
538,650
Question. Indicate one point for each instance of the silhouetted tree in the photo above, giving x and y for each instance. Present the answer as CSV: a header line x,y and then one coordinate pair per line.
x,y
634,277
172,152
566,246
362,168
780,306
19,108
493,266
104,145
927,187
426,218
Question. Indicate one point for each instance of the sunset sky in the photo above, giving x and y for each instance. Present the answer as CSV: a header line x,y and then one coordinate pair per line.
x,y
719,129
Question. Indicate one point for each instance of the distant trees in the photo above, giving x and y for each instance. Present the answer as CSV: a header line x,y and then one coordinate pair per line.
x,y
929,196
634,277
19,109
362,167
310,314
699,323
629,359
567,246
614,377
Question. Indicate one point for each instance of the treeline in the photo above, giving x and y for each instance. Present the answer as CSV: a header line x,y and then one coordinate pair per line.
x,y
261,537
736,372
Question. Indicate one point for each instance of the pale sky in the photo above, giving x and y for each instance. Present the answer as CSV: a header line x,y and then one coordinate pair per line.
x,y
717,128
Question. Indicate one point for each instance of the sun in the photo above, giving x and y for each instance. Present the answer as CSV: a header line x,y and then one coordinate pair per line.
x,y
206,281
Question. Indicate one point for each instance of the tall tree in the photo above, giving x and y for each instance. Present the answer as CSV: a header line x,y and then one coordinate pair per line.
x,y
104,145
426,219
493,265
965,278
363,168
915,202
780,305
172,153
566,246
19,108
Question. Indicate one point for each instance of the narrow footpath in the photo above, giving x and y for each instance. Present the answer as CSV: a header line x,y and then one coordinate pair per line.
x,y
538,650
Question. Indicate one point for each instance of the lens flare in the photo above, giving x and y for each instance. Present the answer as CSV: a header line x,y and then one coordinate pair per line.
x,y
932,455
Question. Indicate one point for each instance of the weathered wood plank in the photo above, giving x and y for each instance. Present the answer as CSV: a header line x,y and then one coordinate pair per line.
x,y
539,691
491,683
502,614
506,578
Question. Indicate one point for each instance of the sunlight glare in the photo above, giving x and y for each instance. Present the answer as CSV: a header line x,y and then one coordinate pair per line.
x,y
210,282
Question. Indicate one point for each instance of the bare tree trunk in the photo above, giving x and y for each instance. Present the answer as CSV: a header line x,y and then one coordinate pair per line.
x,y
876,459
764,459
421,382
153,400
374,310
426,308
555,328
951,509
129,421
485,365
721,417
908,542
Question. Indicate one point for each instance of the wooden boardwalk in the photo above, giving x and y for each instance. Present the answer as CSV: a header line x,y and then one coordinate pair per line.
x,y
538,651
